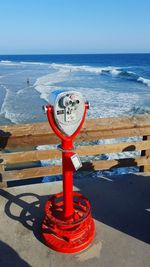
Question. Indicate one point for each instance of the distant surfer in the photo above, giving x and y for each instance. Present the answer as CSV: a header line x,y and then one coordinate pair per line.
x,y
28,82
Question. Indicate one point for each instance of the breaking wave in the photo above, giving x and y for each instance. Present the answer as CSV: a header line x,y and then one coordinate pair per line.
x,y
67,68
114,71
144,81
139,110
8,63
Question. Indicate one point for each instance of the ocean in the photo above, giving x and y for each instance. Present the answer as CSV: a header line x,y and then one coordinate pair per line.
x,y
114,84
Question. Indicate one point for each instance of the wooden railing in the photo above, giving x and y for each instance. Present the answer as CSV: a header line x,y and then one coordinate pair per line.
x,y
18,142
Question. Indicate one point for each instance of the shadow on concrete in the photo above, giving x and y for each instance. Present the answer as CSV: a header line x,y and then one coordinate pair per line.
x,y
29,214
9,257
122,202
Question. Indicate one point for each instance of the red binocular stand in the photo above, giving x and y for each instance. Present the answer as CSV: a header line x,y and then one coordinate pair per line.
x,y
68,225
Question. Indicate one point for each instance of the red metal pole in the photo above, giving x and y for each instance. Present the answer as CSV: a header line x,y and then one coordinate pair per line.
x,y
68,225
67,179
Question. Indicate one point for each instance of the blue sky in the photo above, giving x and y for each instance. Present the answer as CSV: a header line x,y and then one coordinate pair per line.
x,y
74,26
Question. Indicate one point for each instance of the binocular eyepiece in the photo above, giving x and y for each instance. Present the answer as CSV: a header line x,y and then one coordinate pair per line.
x,y
66,101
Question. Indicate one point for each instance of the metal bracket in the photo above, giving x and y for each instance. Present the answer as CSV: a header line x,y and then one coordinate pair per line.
x,y
65,150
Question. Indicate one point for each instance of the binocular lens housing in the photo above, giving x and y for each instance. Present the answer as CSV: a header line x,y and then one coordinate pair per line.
x,y
66,101
68,107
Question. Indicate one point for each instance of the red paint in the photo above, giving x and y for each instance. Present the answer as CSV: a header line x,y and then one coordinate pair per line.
x,y
68,226
67,184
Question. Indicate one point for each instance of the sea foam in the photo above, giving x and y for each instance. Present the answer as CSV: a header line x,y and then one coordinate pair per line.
x,y
103,103
8,63
144,81
92,69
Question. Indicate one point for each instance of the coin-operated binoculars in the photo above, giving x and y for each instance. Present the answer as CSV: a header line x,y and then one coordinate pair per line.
x,y
68,225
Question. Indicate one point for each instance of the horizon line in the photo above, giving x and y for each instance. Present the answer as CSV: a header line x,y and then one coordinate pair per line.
x,y
59,54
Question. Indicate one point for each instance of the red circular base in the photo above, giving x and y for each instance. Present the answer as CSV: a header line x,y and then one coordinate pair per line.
x,y
72,235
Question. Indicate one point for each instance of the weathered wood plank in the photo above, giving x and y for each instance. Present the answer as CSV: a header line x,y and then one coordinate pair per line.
x,y
30,141
128,162
54,170
99,124
112,148
30,173
94,129
27,156
108,134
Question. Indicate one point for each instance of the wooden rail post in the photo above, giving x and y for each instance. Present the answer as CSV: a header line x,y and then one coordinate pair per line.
x,y
2,183
145,168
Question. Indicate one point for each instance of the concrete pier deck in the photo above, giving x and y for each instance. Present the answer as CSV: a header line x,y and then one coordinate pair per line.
x,y
121,210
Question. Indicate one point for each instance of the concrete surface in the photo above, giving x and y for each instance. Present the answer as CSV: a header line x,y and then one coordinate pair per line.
x,y
121,209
